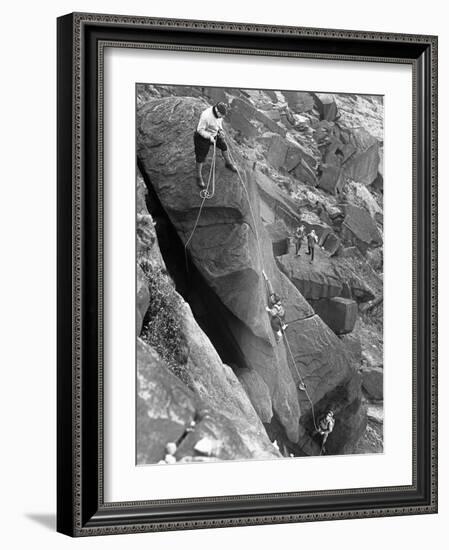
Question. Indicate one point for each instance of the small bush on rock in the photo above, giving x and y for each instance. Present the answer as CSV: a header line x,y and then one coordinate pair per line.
x,y
161,326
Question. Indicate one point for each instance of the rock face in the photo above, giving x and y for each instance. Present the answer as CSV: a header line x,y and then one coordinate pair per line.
x,y
299,102
194,396
339,314
229,248
372,382
363,166
280,238
359,228
324,278
327,106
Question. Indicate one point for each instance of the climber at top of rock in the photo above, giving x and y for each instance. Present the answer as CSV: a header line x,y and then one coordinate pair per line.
x,y
275,309
312,239
325,426
298,237
210,131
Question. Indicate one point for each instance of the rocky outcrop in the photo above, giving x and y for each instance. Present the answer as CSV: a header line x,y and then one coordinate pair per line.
x,y
299,102
229,248
372,382
245,118
359,228
185,393
324,278
280,238
364,164
327,106
339,314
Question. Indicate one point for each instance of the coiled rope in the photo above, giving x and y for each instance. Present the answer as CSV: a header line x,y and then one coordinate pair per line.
x,y
204,195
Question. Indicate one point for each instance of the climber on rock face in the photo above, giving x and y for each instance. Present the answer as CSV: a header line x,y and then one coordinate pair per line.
x,y
325,426
210,131
276,310
312,240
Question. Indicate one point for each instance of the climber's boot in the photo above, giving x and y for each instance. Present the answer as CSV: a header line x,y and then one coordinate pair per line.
x,y
199,175
228,163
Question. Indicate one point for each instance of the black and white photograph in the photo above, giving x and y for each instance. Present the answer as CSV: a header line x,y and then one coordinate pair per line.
x,y
259,276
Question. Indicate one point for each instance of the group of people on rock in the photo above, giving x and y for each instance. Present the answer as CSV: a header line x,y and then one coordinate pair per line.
x,y
312,239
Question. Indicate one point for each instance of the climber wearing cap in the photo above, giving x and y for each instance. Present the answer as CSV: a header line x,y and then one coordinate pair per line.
x,y
325,426
210,131
276,310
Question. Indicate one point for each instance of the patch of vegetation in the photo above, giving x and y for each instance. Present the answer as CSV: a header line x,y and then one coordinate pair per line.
x,y
161,325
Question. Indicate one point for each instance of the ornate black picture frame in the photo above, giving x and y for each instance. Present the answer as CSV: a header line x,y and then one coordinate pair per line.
x,y
81,510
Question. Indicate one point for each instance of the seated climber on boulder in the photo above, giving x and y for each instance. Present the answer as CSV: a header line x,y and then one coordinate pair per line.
x,y
312,240
325,426
210,131
276,310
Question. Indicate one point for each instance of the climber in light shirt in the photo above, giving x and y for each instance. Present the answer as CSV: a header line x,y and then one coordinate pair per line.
x,y
210,131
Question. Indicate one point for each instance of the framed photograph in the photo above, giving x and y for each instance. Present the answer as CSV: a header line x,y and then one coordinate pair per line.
x,y
247,274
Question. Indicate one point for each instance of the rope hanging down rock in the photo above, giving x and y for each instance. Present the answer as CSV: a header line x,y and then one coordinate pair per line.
x,y
263,268
205,194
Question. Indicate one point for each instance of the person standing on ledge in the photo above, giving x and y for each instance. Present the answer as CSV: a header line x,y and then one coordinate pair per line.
x,y
298,237
312,239
210,131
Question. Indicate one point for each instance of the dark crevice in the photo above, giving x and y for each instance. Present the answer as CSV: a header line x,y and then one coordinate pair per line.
x,y
211,314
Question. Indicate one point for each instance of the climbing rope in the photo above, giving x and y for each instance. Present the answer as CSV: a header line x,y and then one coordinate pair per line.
x,y
204,195
303,386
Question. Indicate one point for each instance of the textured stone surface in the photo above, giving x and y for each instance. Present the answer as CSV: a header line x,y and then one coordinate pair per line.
x,y
243,115
339,314
299,102
258,392
372,382
358,228
167,405
225,250
142,298
332,243
326,105
331,179
280,238
277,151
323,278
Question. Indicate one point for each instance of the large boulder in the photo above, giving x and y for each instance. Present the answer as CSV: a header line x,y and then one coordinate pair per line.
x,y
363,166
230,247
186,380
331,178
244,115
372,382
324,278
165,406
299,102
280,238
168,411
291,157
359,228
327,106
339,314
